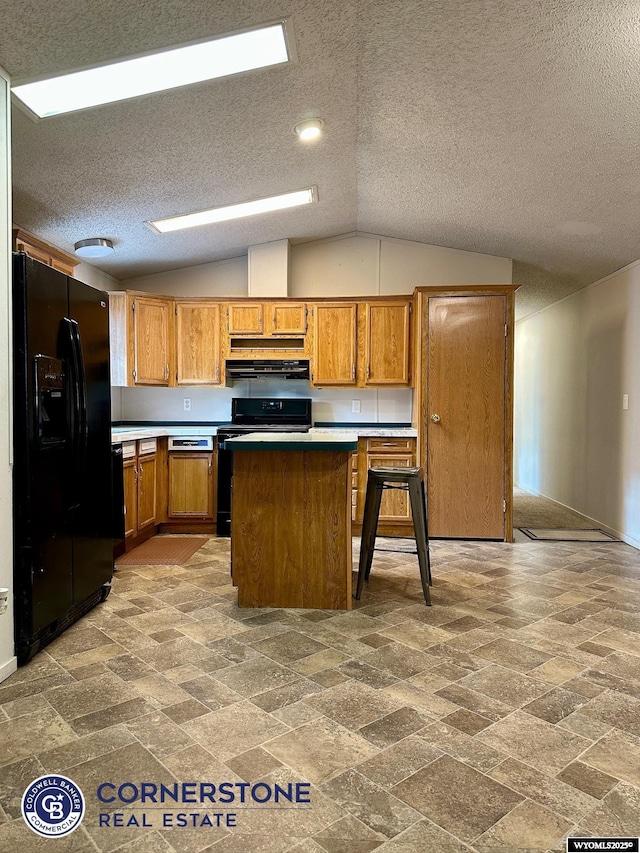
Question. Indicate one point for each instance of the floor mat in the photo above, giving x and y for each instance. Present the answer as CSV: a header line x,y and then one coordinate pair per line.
x,y
163,551
544,534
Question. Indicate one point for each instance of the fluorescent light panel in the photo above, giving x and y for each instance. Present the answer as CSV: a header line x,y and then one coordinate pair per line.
x,y
234,211
153,73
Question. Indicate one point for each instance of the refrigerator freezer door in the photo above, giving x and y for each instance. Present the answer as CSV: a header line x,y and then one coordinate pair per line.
x,y
43,543
92,517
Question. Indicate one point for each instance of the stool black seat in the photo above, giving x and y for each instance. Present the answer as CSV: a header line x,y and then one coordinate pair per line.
x,y
379,479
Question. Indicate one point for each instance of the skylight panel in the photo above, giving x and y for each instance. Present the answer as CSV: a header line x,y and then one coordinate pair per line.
x,y
156,72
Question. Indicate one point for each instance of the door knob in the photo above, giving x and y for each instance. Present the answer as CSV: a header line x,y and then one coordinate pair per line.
x,y
435,418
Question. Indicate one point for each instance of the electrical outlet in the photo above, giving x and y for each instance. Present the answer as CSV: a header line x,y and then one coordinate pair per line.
x,y
355,406
187,404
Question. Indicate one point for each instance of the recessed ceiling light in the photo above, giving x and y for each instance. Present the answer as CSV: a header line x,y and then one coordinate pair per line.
x,y
157,71
310,129
94,247
235,211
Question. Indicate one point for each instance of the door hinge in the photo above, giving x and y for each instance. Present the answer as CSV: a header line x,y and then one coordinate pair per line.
x,y
133,305
504,506
505,330
411,308
135,375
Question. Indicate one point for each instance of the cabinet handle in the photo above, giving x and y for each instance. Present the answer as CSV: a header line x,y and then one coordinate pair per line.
x,y
210,469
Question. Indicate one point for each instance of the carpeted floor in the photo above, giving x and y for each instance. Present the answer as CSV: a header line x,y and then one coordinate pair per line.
x,y
534,511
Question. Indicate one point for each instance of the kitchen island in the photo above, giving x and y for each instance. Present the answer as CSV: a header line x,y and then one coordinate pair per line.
x,y
291,520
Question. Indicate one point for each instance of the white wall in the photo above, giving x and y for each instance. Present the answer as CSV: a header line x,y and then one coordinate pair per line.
x,y
7,658
349,265
222,278
96,278
388,405
574,442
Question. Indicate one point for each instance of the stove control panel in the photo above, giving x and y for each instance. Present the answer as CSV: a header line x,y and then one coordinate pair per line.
x,y
190,442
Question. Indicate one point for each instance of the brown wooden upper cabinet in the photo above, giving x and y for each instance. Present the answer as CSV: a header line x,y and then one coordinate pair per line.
x,y
43,252
245,318
198,354
387,348
141,336
334,343
266,318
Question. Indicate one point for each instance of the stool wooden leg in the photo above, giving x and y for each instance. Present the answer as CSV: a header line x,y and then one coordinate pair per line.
x,y
369,529
416,495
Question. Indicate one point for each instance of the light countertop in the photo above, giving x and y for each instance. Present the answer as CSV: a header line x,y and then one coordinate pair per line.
x,y
133,433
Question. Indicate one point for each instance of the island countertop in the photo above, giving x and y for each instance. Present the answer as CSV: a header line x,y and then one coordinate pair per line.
x,y
307,441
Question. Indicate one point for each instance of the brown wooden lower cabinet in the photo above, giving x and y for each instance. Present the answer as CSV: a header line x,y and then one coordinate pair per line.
x,y
191,484
147,494
130,471
395,513
140,475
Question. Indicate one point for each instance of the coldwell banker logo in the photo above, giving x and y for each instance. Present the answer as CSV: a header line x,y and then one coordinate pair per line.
x,y
53,805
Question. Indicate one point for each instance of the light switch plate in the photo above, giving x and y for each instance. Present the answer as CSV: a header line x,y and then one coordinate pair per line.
x,y
355,406
625,401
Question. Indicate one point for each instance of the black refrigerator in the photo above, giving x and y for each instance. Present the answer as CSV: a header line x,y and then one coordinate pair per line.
x,y
62,477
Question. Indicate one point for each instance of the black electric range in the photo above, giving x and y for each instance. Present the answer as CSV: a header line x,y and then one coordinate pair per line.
x,y
254,414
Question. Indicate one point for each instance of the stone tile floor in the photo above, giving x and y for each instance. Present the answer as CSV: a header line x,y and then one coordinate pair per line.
x,y
502,718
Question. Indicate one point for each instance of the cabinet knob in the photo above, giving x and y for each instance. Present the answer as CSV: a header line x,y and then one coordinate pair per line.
x,y
435,418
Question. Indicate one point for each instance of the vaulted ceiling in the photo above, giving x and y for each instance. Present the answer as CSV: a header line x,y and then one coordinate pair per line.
x,y
493,126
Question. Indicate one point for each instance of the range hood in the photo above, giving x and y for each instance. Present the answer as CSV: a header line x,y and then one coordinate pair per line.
x,y
271,368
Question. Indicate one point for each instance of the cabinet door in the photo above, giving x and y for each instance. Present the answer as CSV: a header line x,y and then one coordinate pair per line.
x,y
246,318
465,416
151,319
288,318
387,343
130,497
191,485
394,505
198,343
146,491
334,346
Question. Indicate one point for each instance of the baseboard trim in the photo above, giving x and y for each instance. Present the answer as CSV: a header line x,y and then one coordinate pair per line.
x,y
624,537
8,668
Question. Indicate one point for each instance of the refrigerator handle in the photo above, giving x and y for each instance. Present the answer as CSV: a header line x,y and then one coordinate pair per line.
x,y
78,424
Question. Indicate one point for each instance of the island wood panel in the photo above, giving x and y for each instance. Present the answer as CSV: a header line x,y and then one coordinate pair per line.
x,y
291,529
466,389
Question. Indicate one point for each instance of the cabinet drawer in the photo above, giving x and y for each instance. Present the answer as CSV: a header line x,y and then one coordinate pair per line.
x,y
391,445
147,445
128,450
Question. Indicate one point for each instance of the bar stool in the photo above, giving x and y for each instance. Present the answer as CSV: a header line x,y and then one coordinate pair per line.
x,y
408,479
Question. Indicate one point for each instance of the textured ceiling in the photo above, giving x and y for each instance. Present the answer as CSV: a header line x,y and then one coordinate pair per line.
x,y
505,128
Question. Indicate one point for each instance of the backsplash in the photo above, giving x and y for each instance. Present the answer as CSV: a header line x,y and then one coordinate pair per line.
x,y
331,405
